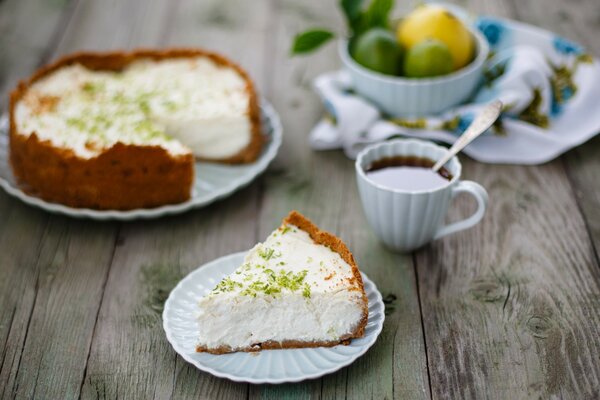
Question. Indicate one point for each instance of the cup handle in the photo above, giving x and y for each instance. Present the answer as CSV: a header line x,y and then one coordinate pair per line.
x,y
475,190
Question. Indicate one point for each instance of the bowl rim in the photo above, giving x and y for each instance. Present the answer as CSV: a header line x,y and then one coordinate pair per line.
x,y
483,50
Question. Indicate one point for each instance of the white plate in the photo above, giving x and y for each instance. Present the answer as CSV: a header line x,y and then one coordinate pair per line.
x,y
267,366
213,181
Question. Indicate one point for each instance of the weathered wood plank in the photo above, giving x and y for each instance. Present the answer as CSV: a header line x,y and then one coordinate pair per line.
x,y
20,238
53,273
399,355
129,342
130,356
51,278
239,30
582,164
72,265
511,307
40,293
29,30
322,186
583,167
115,24
48,347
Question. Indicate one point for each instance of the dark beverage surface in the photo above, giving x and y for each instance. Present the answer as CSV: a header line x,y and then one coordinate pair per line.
x,y
407,173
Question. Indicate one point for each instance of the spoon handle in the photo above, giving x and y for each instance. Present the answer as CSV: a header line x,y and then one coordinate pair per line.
x,y
480,124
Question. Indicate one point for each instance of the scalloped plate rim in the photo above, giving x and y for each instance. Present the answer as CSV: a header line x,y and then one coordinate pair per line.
x,y
196,274
271,150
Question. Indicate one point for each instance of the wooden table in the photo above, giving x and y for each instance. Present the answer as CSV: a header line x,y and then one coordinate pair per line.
x,y
508,309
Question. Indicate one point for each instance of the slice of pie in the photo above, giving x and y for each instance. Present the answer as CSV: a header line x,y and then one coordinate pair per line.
x,y
300,288
122,130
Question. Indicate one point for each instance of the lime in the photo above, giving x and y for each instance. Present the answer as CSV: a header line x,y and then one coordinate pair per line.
x,y
378,50
436,22
428,58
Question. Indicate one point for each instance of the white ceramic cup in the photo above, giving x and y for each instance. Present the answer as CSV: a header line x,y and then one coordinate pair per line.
x,y
406,220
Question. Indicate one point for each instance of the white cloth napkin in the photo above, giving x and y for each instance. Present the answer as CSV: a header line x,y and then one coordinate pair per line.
x,y
547,82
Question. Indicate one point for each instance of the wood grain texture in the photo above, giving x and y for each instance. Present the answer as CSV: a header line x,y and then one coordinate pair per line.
x,y
52,277
115,24
321,185
20,241
46,367
71,270
130,356
582,165
240,31
510,307
53,269
582,24
30,31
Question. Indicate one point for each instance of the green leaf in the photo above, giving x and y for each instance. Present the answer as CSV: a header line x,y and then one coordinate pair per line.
x,y
310,40
352,9
377,15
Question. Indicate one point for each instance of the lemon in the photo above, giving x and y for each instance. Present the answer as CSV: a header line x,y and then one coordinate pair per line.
x,y
431,57
435,22
378,50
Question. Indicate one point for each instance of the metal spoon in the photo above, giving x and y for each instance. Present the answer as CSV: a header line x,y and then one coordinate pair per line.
x,y
480,124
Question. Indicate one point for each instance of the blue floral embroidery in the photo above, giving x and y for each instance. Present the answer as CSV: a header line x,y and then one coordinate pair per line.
x,y
567,93
557,106
565,46
464,121
492,29
330,109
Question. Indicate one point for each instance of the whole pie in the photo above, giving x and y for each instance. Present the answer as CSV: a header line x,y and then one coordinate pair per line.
x,y
299,288
123,130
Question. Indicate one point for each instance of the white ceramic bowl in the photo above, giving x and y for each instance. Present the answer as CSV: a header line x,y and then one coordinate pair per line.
x,y
416,97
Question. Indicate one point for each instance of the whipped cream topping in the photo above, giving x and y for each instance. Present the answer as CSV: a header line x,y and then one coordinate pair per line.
x,y
182,105
288,288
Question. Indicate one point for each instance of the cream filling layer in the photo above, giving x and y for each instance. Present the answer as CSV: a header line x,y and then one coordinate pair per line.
x,y
289,288
183,105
